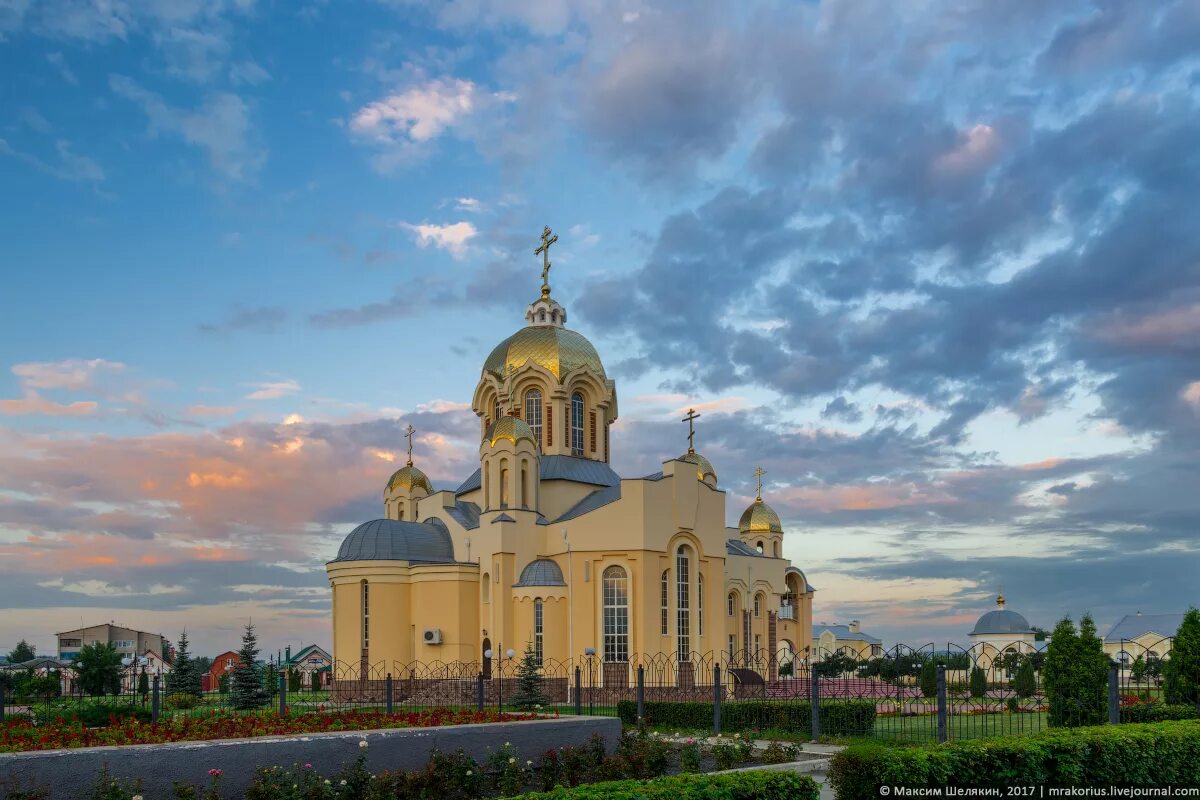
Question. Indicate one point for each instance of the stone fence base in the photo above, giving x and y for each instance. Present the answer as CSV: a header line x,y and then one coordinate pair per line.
x,y
69,774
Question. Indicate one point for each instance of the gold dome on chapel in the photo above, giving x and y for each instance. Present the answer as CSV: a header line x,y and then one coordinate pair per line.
x,y
557,350
704,467
408,478
510,428
759,518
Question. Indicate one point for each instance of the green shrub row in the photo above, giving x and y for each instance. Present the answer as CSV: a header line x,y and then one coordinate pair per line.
x,y
1156,711
1114,755
838,717
751,785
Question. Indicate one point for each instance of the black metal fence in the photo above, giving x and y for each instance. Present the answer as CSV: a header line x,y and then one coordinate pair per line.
x,y
921,694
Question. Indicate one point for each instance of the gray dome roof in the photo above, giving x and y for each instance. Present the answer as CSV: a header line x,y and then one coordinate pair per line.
x,y
542,572
393,540
1002,621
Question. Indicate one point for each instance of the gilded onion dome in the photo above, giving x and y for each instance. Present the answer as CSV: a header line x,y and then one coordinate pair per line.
x,y
558,350
408,478
510,428
760,518
703,467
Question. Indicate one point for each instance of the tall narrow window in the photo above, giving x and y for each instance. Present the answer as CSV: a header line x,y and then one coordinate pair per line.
x,y
758,605
683,631
496,408
615,591
504,484
665,593
732,645
524,485
577,424
485,588
699,603
537,630
366,618
730,603
533,413
487,486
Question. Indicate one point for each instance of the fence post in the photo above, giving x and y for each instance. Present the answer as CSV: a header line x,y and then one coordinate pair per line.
x,y
943,731
1,702
815,701
578,691
154,697
716,700
282,694
1114,697
479,691
641,694
388,686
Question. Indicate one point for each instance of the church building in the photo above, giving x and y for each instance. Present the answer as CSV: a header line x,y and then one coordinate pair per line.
x,y
545,544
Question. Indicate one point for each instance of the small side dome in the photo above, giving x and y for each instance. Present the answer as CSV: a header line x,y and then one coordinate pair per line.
x,y
510,428
542,572
393,540
759,518
408,478
704,469
1001,621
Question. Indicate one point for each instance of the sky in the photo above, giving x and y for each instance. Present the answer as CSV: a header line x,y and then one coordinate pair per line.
x,y
934,265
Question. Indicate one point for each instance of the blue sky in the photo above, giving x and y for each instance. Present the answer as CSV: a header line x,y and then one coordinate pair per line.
x,y
934,266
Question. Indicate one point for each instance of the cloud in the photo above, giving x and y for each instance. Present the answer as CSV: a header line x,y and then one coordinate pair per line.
x,y
67,166
60,65
220,127
453,237
264,319
74,374
248,72
33,403
273,390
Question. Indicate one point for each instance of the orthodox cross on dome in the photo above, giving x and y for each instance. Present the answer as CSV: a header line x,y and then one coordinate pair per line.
x,y
758,473
690,419
548,238
408,434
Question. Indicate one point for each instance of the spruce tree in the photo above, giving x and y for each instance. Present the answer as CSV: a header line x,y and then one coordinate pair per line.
x,y
247,688
928,679
1075,676
143,685
530,692
1182,669
183,678
1094,672
979,683
1025,682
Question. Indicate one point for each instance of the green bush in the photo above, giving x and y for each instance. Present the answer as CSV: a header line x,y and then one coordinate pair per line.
x,y
1156,711
100,715
1182,670
1112,755
181,701
979,684
838,717
752,785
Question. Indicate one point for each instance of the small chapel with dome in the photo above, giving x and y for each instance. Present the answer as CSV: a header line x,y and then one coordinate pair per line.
x,y
545,544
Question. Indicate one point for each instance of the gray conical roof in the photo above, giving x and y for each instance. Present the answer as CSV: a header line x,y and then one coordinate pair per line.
x,y
542,572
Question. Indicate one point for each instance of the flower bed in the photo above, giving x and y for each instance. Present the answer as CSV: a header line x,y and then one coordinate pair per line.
x,y
20,735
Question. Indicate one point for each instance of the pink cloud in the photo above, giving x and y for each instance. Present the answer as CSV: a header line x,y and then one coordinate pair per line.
x,y
33,403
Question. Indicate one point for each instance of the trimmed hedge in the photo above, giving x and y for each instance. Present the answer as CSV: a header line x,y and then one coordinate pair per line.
x,y
1156,711
1114,755
838,718
751,785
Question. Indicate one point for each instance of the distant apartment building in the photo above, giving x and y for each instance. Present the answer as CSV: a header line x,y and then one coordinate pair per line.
x,y
126,641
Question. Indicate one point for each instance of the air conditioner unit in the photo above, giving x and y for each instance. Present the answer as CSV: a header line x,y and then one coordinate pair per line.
x,y
433,636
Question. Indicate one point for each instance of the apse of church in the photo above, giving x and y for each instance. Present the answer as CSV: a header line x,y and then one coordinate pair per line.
x,y
545,545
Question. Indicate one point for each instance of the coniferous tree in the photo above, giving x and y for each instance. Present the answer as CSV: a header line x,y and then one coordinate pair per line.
x,y
1075,675
530,685
23,652
1182,670
247,689
1025,682
294,680
928,680
1094,672
98,669
183,678
978,683
1137,672
143,685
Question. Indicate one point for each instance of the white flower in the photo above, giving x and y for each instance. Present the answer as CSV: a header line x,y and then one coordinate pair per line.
x,y
469,773
136,797
328,782
362,744
512,761
529,763
343,783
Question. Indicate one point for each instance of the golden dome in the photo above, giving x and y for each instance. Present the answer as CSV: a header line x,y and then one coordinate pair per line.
x,y
509,428
558,350
760,518
703,467
408,478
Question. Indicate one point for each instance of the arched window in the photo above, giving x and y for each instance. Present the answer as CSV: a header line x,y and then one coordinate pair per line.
x,y
615,590
577,424
542,315
400,510
537,630
758,605
366,618
504,479
665,593
731,604
683,614
524,484
760,548
533,413
700,603
776,549
496,409
485,588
